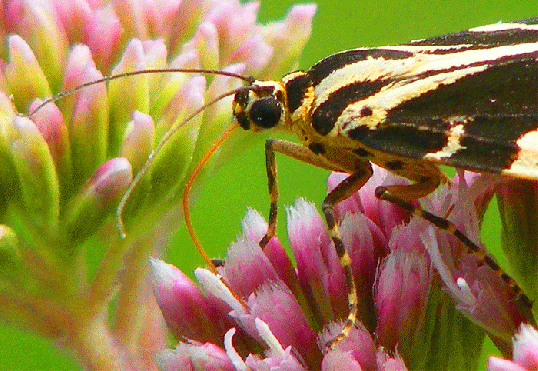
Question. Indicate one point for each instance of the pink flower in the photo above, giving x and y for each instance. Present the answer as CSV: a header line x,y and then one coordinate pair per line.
x,y
525,352
65,166
423,303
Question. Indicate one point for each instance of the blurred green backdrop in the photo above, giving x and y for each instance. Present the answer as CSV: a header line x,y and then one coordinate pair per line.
x,y
223,197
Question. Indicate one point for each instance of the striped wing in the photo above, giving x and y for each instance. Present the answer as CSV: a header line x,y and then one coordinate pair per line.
x,y
468,99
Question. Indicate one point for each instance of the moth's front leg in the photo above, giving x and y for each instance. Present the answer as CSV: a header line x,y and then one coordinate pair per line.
x,y
293,150
359,175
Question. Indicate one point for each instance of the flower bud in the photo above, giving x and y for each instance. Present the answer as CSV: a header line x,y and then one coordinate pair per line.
x,y
37,174
24,75
134,93
102,33
88,126
98,197
319,270
288,38
50,123
138,140
185,309
10,255
194,356
41,27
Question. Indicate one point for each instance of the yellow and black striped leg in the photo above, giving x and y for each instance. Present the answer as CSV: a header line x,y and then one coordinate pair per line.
x,y
293,150
345,189
270,167
523,302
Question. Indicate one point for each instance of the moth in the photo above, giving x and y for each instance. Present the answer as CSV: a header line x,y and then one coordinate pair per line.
x,y
467,100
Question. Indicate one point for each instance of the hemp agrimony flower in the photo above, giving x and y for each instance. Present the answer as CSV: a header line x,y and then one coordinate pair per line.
x,y
64,168
410,316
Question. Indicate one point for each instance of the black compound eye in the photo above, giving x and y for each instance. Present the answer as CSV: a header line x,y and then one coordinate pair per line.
x,y
266,112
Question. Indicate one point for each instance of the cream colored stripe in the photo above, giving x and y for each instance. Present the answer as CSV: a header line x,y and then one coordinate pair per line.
x,y
374,69
453,142
526,164
505,27
395,94
433,62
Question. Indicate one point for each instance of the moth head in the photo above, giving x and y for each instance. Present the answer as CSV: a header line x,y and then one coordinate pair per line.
x,y
261,107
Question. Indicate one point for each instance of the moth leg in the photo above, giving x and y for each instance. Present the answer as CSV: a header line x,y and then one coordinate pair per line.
x,y
394,194
423,186
293,150
342,191
361,172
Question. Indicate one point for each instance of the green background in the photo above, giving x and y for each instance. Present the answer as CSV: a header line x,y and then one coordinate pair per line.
x,y
224,196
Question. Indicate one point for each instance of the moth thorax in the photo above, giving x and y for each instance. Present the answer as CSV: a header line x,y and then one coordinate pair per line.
x,y
261,107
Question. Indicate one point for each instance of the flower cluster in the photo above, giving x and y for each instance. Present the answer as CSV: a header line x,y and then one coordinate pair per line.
x,y
64,167
424,302
410,317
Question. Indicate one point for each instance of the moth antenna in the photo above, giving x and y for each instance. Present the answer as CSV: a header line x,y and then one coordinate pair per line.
x,y
169,134
151,157
57,97
188,187
186,210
